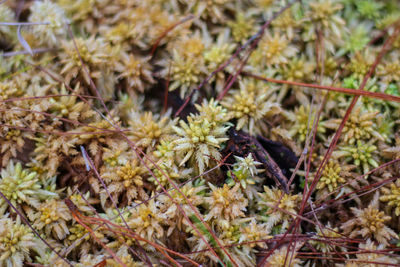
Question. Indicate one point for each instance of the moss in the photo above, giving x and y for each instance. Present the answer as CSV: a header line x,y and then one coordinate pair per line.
x,y
97,158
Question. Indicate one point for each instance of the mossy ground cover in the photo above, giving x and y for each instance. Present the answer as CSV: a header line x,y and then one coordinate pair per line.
x,y
199,133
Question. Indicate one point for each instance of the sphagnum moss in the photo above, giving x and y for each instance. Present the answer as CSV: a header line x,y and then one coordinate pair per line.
x,y
17,242
21,187
89,140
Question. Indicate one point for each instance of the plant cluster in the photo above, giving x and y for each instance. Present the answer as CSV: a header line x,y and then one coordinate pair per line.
x,y
120,123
